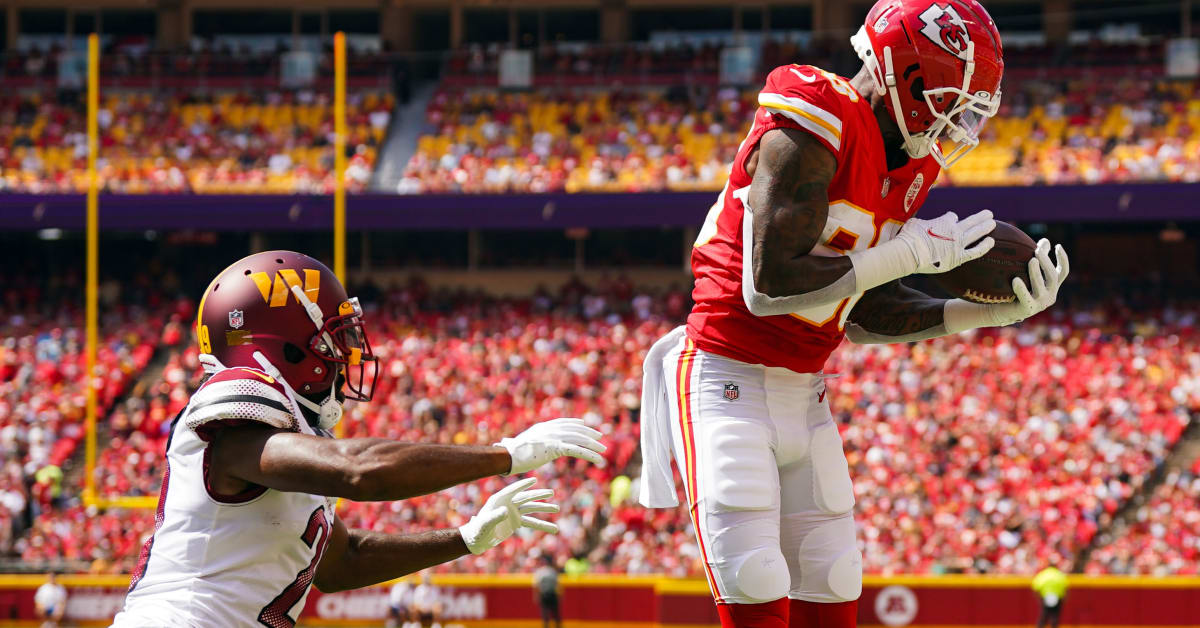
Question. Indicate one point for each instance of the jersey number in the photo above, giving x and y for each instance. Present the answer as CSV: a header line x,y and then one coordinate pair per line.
x,y
275,614
848,228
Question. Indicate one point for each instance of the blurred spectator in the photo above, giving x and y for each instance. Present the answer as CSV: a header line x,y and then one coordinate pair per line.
x,y
545,592
1050,585
50,601
400,605
427,602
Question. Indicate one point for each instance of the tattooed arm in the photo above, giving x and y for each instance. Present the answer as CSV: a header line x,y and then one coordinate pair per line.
x,y
786,209
787,206
895,313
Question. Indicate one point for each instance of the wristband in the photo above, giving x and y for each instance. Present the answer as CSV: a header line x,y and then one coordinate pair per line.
x,y
878,265
960,315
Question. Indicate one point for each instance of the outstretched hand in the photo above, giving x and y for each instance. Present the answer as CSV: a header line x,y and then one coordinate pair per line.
x,y
552,439
507,511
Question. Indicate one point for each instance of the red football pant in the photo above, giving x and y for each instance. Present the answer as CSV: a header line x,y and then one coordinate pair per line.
x,y
785,613
819,615
765,615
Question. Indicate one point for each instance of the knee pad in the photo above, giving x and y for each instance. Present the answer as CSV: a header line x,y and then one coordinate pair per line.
x,y
833,492
744,475
845,576
763,576
827,566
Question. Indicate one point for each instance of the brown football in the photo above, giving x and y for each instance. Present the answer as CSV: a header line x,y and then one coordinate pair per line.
x,y
989,278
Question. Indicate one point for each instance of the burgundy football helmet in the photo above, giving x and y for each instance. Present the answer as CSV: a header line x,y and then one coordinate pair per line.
x,y
939,64
289,310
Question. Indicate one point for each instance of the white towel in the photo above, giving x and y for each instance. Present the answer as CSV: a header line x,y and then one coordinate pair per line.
x,y
657,488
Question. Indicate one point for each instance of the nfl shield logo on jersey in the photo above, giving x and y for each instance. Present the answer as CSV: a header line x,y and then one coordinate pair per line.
x,y
235,319
731,391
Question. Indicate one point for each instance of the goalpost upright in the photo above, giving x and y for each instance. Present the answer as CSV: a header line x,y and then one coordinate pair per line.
x,y
92,313
92,308
339,166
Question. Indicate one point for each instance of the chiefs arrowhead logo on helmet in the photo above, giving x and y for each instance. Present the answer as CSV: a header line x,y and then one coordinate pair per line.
x,y
931,95
945,27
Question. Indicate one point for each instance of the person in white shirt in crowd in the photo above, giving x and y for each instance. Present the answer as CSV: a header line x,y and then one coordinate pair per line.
x,y
50,601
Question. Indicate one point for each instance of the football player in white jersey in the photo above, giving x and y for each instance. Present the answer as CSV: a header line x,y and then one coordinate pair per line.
x,y
245,520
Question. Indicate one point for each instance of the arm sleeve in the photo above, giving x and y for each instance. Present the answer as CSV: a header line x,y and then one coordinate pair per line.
x,y
761,304
860,336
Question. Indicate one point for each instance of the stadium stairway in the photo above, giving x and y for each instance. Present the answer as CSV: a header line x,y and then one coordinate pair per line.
x,y
149,376
1181,457
404,129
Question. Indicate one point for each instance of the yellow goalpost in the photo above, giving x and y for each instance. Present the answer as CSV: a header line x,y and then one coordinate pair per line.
x,y
91,309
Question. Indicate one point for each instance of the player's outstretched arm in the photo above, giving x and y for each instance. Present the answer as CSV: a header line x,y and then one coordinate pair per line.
x,y
378,469
359,558
787,208
895,313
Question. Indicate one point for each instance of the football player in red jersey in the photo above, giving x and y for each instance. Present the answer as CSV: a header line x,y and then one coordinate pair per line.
x,y
806,245
245,521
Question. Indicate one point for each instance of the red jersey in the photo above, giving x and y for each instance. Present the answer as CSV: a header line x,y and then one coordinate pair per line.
x,y
867,205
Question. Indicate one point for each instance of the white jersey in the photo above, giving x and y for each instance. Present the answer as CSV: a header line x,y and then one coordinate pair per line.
x,y
227,560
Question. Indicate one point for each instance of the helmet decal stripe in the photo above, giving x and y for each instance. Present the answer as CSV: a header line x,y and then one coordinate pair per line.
x,y
312,283
279,293
276,293
264,284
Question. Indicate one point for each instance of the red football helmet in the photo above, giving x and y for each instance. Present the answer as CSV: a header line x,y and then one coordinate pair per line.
x,y
939,63
292,311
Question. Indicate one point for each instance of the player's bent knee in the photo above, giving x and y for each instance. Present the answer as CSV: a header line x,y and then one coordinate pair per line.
x,y
845,576
763,576
829,563
745,476
833,492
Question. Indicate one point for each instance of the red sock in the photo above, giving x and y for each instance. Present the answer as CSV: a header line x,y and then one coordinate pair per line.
x,y
765,615
821,615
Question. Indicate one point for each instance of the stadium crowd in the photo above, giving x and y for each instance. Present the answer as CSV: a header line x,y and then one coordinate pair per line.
x,y
1164,535
966,453
42,394
683,138
171,141
628,118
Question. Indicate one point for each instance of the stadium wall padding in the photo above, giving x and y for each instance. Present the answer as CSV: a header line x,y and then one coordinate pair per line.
x,y
602,601
269,212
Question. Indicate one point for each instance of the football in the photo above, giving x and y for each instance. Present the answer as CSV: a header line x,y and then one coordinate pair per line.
x,y
989,278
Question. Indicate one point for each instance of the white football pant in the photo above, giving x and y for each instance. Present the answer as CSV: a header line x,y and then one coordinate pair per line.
x,y
766,478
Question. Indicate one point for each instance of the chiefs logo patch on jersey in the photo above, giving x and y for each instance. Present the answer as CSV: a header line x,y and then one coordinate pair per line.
x,y
913,190
945,27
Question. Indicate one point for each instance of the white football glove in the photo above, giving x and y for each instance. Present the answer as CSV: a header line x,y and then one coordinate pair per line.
x,y
1045,278
504,513
551,439
944,243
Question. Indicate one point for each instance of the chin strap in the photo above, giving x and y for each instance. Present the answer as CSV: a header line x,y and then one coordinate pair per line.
x,y
210,363
328,412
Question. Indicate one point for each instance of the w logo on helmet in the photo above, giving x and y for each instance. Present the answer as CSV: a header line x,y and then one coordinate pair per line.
x,y
945,27
276,293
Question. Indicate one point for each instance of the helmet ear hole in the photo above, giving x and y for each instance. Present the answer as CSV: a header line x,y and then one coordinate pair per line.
x,y
292,353
917,86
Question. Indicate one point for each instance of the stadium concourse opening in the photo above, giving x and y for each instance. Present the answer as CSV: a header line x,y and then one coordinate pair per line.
x,y
514,193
